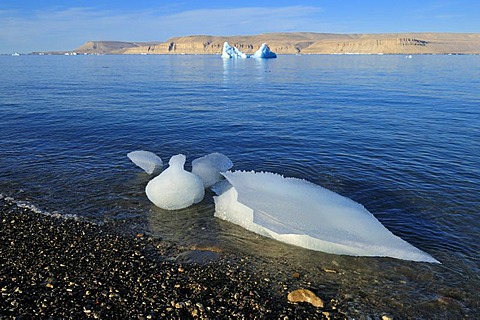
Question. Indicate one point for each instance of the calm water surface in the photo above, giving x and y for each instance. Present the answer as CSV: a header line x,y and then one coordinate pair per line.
x,y
400,136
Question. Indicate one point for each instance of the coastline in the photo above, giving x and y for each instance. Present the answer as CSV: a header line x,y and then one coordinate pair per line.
x,y
293,43
68,268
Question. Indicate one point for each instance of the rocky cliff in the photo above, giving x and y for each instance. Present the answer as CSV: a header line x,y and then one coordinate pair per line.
x,y
300,43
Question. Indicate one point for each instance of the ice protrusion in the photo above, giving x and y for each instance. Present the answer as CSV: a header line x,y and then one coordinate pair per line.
x,y
175,188
232,52
304,214
264,53
209,167
148,161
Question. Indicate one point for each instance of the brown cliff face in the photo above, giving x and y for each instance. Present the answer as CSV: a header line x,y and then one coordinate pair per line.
x,y
300,43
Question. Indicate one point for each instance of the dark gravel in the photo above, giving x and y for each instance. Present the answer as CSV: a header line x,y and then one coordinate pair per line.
x,y
72,269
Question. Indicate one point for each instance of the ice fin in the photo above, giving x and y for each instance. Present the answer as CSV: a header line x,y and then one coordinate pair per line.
x,y
210,166
148,161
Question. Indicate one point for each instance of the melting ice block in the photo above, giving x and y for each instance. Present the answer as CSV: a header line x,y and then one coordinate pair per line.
x,y
209,167
264,53
304,214
175,188
232,52
148,161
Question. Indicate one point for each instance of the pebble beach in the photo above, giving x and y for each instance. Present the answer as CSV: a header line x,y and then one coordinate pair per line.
x,y
55,268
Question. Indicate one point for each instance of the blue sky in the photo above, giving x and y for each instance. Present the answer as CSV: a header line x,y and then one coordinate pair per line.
x,y
42,25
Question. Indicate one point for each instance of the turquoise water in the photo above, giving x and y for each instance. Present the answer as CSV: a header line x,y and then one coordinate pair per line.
x,y
400,136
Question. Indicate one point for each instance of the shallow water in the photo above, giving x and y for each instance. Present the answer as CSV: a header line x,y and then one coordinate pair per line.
x,y
400,136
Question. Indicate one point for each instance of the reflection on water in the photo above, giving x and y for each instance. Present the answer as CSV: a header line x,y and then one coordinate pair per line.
x,y
399,136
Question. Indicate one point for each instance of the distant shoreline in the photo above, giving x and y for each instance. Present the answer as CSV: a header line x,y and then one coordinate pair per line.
x,y
295,43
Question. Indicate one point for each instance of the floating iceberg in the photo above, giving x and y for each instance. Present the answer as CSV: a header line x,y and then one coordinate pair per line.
x,y
264,53
148,161
175,188
304,214
232,52
209,167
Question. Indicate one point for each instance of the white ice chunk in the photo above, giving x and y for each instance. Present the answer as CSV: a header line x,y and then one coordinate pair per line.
x,y
304,214
264,53
210,166
175,188
232,52
148,161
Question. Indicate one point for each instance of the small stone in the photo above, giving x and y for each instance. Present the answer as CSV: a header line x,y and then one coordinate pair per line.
x,y
296,275
385,317
305,295
49,285
200,306
329,270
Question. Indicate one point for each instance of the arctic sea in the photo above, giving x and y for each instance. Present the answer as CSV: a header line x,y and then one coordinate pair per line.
x,y
399,135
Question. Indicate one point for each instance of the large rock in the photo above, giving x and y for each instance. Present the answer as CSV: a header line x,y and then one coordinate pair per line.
x,y
305,295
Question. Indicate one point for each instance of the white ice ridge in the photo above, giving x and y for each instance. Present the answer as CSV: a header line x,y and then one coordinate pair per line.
x,y
232,52
148,161
209,167
264,53
304,214
175,188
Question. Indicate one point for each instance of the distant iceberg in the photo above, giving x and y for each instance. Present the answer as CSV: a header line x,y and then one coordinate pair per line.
x,y
232,52
264,53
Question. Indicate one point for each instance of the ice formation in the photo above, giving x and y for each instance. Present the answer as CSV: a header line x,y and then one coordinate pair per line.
x,y
209,167
175,188
264,53
148,161
304,214
232,52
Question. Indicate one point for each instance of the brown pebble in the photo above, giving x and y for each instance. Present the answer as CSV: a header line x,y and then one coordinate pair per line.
x,y
296,275
305,295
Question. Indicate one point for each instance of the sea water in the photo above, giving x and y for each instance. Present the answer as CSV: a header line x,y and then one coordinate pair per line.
x,y
400,136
